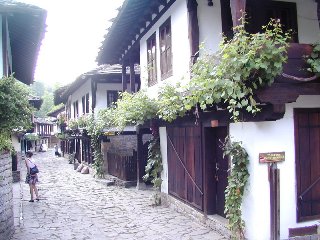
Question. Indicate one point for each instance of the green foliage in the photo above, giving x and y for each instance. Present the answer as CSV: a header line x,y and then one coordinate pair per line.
x,y
5,143
237,182
133,108
62,119
73,124
46,106
171,102
37,89
62,136
94,128
154,164
230,77
15,110
31,136
83,121
314,59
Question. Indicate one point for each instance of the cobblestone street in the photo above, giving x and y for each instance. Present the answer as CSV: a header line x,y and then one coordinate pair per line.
x,y
76,206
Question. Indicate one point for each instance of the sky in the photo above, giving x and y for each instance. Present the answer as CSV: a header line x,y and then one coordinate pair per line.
x,y
75,30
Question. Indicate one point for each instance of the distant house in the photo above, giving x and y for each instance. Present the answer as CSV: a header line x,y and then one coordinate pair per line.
x,y
89,93
164,37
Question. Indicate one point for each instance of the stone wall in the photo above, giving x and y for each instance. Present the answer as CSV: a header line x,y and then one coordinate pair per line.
x,y
123,144
6,197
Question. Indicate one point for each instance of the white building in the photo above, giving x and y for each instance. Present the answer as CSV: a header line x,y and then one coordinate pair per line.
x,y
166,34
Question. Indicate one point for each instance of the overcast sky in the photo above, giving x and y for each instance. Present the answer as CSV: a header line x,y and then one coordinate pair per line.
x,y
75,30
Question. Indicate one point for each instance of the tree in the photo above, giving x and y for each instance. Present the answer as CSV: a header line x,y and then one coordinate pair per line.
x,y
15,110
46,106
37,89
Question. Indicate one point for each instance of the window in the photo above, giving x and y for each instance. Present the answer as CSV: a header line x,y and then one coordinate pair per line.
x,y
75,109
152,61
112,96
87,103
307,149
165,49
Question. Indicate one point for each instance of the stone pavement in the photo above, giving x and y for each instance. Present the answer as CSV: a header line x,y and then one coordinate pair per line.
x,y
76,206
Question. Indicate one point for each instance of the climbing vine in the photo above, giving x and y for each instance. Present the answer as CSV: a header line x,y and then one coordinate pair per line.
x,y
94,128
154,166
230,77
314,59
237,182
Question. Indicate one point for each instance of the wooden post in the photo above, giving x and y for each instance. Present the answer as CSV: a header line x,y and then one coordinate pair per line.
x,y
124,77
132,77
139,160
274,181
193,29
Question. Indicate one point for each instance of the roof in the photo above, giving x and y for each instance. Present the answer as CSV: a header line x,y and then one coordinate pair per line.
x,y
26,26
42,121
104,73
35,101
57,111
127,26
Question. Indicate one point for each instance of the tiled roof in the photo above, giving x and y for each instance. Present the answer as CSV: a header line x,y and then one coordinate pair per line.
x,y
127,26
26,25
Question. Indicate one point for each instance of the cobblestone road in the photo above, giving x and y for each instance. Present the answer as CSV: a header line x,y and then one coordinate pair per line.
x,y
76,206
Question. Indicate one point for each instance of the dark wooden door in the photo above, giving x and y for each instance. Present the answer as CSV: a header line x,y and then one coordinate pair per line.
x,y
185,166
307,146
216,171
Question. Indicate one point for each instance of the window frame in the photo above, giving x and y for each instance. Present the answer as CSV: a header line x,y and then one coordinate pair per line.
x,y
152,60
165,46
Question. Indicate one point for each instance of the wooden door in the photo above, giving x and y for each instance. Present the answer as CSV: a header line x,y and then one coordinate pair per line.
x,y
185,166
216,171
307,146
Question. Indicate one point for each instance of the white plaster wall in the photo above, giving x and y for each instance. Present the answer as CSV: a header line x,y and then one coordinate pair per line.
x,y
210,28
271,137
308,25
15,143
180,48
78,94
210,25
163,149
101,96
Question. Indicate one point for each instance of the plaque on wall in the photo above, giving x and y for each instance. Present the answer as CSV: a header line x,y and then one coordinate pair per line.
x,y
271,157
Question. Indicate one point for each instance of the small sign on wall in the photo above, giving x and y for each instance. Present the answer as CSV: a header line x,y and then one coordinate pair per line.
x,y
271,157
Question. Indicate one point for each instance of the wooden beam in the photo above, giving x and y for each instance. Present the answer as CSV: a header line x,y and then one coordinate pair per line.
x,y
124,77
193,29
132,77
280,93
5,46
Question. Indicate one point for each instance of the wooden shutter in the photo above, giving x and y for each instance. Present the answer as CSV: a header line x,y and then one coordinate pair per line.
x,y
307,145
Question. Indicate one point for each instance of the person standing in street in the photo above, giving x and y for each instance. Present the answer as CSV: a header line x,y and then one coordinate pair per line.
x,y
32,178
56,150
